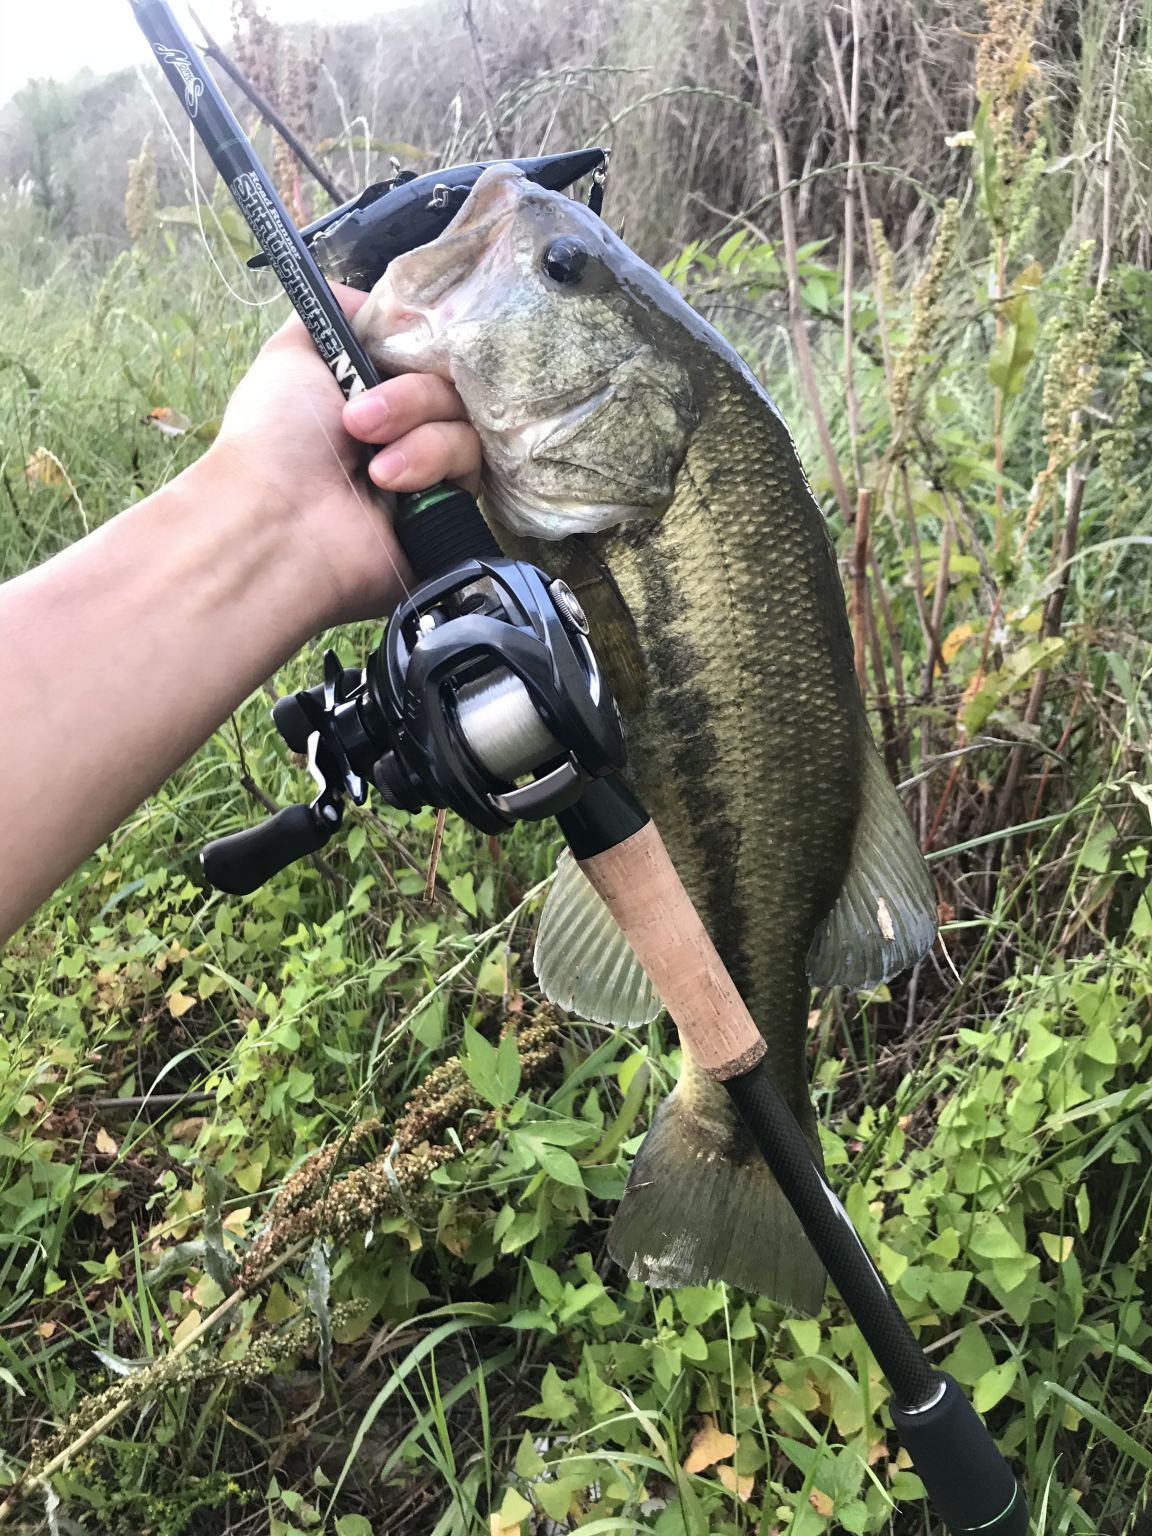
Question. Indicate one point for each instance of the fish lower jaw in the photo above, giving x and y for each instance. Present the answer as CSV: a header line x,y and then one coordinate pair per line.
x,y
516,449
553,520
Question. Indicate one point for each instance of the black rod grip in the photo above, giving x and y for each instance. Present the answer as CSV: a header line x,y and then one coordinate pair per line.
x,y
606,815
969,1484
440,528
239,864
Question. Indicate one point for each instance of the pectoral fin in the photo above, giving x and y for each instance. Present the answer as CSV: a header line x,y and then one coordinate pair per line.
x,y
583,961
884,919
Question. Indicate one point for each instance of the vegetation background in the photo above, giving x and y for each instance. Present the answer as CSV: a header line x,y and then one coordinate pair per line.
x,y
303,1198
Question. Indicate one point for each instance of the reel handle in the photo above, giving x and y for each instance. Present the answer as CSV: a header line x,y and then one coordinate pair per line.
x,y
243,861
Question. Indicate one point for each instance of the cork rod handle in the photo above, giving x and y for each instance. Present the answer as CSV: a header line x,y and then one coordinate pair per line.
x,y
638,883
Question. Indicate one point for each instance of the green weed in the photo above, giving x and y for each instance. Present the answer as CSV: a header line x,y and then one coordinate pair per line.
x,y
278,1182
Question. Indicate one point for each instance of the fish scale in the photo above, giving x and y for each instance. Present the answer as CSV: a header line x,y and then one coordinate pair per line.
x,y
746,752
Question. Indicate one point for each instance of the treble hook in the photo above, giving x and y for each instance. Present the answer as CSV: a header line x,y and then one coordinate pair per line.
x,y
596,190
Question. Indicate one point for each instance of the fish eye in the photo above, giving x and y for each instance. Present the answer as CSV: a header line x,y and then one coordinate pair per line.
x,y
564,260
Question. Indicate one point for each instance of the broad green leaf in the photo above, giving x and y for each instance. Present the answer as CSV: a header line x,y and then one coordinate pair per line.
x,y
508,1067
972,1357
726,255
514,1507
354,1525
1083,1208
559,1165
556,1496
692,1345
1057,1246
555,1401
559,1133
489,1072
1016,346
994,1385
993,1240
949,1288
1101,1046
529,1462
492,977
463,890
806,1332
547,1282
697,1303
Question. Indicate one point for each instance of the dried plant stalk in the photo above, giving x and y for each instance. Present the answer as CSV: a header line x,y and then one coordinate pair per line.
x,y
804,360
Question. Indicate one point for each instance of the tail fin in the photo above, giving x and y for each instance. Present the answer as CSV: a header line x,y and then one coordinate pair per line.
x,y
700,1207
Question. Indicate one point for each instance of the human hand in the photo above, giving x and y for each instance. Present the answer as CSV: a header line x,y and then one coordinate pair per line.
x,y
284,445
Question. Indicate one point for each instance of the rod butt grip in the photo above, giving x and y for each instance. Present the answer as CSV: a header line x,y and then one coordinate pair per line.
x,y
968,1482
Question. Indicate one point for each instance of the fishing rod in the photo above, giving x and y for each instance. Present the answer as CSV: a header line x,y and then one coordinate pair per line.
x,y
485,696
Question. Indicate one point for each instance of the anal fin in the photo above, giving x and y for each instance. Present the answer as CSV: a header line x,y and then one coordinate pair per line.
x,y
583,962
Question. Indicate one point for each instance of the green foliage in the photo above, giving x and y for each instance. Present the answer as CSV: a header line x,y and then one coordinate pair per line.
x,y
463,1358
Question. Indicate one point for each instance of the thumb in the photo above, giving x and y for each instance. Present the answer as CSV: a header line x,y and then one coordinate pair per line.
x,y
350,300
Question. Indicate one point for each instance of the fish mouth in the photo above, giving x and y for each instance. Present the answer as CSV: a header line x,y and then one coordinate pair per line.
x,y
429,288
425,289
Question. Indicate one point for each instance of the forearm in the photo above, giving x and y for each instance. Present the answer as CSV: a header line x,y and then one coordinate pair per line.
x,y
119,657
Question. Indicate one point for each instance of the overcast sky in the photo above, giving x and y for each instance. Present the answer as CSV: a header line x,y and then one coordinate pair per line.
x,y
58,37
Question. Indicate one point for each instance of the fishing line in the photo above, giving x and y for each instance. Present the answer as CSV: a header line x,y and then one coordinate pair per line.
x,y
197,197
361,500
189,164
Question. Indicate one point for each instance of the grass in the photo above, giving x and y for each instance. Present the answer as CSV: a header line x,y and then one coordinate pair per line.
x,y
438,1342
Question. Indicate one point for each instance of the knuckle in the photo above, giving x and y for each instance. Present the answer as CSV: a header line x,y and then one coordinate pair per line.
x,y
432,404
429,390
432,447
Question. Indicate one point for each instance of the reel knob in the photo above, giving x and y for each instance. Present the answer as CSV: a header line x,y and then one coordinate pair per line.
x,y
242,862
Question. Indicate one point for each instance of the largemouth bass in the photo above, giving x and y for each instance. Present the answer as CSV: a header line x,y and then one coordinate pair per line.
x,y
629,450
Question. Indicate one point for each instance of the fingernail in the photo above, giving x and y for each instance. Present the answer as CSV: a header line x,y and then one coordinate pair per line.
x,y
367,413
389,466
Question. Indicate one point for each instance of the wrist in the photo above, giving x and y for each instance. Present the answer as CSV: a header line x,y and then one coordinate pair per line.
x,y
249,530
325,541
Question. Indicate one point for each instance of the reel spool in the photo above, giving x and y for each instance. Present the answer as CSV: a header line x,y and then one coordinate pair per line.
x,y
484,696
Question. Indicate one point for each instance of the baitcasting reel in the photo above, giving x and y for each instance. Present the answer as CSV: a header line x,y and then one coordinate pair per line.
x,y
483,696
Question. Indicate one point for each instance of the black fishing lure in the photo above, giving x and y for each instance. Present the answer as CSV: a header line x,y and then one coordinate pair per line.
x,y
355,242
